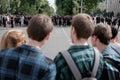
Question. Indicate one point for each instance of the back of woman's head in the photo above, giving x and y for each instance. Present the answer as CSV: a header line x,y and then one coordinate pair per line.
x,y
12,38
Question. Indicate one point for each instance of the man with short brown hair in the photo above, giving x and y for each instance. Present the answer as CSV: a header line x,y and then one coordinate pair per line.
x,y
39,27
27,62
82,53
101,38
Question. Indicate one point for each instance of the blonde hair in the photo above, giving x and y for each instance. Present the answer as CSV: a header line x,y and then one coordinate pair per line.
x,y
12,38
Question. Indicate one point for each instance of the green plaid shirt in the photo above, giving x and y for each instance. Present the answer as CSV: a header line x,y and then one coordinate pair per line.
x,y
83,56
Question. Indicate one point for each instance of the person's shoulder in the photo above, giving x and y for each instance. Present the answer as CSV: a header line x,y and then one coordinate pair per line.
x,y
111,68
115,47
107,49
50,63
7,50
110,71
115,44
59,60
27,49
8,54
58,57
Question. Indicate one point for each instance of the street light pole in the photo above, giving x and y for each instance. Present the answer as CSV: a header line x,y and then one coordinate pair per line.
x,y
106,6
81,6
8,6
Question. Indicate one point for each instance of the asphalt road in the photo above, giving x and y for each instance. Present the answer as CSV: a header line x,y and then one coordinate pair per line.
x,y
59,40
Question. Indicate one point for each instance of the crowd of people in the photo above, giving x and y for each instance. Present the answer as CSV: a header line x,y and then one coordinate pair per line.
x,y
66,20
21,20
11,21
26,61
109,20
61,20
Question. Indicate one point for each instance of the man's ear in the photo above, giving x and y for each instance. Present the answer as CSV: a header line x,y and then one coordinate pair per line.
x,y
47,37
94,37
24,41
116,39
72,30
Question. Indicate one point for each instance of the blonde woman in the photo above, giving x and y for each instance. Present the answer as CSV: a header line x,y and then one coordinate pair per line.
x,y
12,38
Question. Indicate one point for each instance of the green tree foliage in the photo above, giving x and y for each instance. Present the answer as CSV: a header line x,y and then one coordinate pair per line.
x,y
29,7
71,7
90,6
3,6
14,6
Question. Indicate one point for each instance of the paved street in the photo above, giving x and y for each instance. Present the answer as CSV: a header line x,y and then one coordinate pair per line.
x,y
59,40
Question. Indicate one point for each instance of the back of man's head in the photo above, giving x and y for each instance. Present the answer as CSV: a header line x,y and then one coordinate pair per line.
x,y
83,24
103,33
39,27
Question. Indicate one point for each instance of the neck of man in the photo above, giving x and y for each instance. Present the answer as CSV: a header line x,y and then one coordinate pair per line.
x,y
80,42
35,43
101,46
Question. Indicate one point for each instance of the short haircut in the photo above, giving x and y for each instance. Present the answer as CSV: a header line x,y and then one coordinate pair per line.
x,y
103,33
114,31
84,25
39,27
12,38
